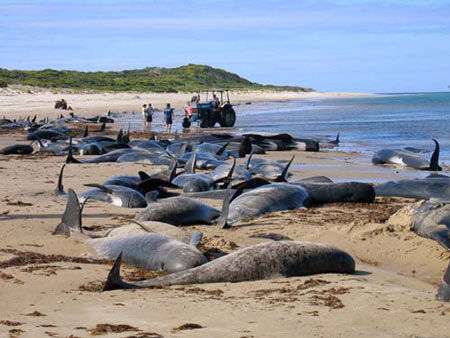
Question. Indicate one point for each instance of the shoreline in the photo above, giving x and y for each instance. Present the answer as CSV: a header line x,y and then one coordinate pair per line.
x,y
41,102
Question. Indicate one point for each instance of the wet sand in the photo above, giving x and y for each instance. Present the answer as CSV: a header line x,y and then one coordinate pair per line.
x,y
391,294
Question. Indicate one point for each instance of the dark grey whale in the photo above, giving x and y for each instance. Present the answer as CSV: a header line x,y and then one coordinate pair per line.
x,y
261,261
322,193
17,149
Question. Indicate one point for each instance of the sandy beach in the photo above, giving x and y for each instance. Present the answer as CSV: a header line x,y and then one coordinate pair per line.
x,y
50,288
19,101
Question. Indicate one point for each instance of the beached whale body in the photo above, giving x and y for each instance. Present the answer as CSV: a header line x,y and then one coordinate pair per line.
x,y
240,172
421,188
17,149
144,156
116,195
409,159
194,182
47,134
150,251
139,228
131,182
261,261
322,193
179,211
268,198
443,293
432,220
283,142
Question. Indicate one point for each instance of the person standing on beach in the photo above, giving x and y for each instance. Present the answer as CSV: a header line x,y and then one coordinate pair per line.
x,y
168,115
144,115
149,115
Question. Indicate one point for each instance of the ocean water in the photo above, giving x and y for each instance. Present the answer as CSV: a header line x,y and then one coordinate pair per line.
x,y
366,124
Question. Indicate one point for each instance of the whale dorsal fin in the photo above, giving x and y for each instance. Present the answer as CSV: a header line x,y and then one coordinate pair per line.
x,y
245,147
247,164
70,158
222,220
189,167
114,282
434,161
173,169
71,218
196,238
60,188
222,149
144,176
284,173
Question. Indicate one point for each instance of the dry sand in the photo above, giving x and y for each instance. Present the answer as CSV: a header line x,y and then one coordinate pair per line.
x,y
16,101
392,293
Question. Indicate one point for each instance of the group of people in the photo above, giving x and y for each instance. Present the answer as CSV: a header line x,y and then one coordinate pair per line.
x,y
147,116
148,111
62,104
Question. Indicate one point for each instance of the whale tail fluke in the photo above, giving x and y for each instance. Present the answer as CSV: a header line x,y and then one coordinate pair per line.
x,y
71,218
443,293
114,282
434,161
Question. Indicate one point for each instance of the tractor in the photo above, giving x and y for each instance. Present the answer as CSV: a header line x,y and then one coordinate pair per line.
x,y
208,113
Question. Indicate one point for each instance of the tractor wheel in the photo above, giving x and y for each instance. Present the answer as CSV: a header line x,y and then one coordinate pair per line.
x,y
212,120
228,118
186,122
204,123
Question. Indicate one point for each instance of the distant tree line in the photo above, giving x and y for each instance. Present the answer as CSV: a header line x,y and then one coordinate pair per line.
x,y
151,79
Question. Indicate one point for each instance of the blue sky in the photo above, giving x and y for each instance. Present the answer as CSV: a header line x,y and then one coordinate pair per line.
x,y
334,45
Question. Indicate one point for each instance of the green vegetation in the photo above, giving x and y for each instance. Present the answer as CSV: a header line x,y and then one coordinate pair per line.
x,y
154,79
